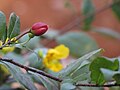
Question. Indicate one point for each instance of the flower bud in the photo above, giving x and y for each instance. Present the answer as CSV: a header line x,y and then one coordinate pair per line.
x,y
39,28
30,35
6,50
40,54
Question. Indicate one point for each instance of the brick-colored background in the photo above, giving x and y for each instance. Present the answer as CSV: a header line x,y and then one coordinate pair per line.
x,y
57,16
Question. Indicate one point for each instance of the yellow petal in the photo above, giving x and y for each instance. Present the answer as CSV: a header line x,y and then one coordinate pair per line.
x,y
0,43
51,60
53,65
52,54
56,69
7,49
63,50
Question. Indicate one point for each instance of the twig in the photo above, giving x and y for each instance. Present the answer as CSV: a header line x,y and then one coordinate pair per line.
x,y
53,77
79,20
94,85
31,69
18,37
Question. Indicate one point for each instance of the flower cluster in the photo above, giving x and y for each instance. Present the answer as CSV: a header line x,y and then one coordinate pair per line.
x,y
53,57
7,48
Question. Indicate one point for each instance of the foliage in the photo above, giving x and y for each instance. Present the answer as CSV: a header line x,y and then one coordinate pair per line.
x,y
43,66
84,42
88,9
116,9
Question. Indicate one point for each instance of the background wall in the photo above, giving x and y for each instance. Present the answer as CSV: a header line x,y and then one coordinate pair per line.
x,y
54,13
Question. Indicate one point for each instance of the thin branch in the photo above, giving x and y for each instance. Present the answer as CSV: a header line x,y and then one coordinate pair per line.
x,y
94,85
17,38
53,77
79,20
31,69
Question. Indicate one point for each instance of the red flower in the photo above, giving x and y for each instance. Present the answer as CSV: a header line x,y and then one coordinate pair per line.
x,y
39,28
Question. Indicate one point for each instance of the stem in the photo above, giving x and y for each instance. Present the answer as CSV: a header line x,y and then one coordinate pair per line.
x,y
31,69
18,37
79,20
94,85
53,77
25,42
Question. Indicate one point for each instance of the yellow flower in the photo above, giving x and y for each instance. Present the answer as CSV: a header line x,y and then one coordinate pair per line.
x,y
53,57
7,49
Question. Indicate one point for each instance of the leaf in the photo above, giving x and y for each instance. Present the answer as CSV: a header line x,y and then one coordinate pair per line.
x,y
107,32
81,74
3,73
116,8
108,74
67,86
14,26
33,43
77,64
78,43
17,57
102,62
3,31
117,78
91,88
48,83
6,87
35,61
68,4
88,10
51,34
21,77
114,88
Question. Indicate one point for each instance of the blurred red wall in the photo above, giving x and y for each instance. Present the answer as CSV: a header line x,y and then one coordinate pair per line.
x,y
57,16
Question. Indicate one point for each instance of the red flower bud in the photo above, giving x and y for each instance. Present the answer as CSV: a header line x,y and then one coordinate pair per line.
x,y
39,28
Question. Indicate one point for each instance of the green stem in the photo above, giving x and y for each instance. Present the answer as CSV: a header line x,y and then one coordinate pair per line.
x,y
18,37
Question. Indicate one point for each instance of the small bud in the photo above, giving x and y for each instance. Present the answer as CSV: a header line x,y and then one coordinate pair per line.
x,y
39,28
6,50
40,54
30,35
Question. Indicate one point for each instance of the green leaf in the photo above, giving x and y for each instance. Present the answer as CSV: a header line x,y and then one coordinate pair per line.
x,y
111,75
68,4
6,87
67,86
33,43
108,74
35,61
77,64
91,88
78,43
116,8
51,34
88,10
3,30
81,74
21,77
17,57
117,78
101,62
48,83
107,32
14,26
114,88
3,73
